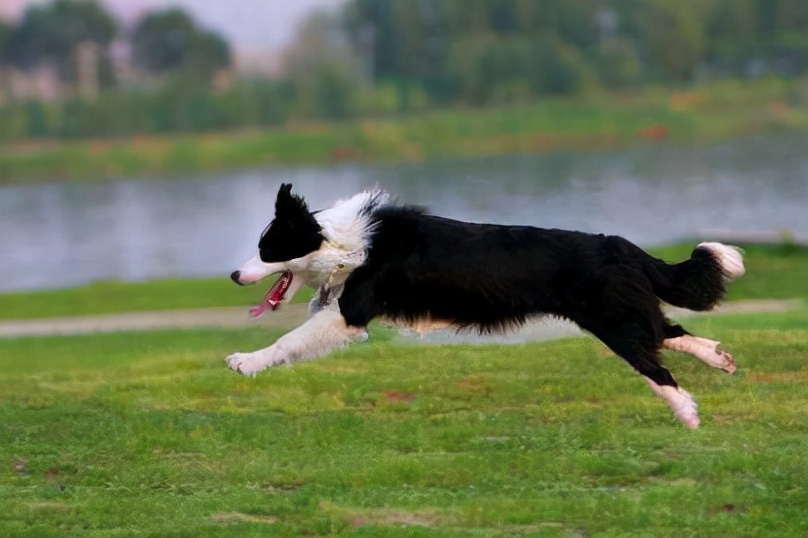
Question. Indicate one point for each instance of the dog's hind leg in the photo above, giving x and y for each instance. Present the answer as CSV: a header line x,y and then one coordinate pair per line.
x,y
636,346
658,378
324,332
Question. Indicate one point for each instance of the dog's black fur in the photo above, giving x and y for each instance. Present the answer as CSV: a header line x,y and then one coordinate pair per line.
x,y
493,277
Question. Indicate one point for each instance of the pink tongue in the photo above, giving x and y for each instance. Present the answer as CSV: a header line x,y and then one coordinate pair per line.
x,y
272,300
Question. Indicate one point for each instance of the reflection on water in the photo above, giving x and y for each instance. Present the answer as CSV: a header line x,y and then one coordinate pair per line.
x,y
57,235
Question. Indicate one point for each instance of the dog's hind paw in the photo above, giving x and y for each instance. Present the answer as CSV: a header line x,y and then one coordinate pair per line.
x,y
703,349
726,360
680,401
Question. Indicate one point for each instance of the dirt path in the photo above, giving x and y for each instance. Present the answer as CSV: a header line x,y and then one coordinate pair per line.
x,y
292,315
228,317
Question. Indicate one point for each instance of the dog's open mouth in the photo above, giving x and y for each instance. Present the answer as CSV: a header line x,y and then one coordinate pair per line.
x,y
272,300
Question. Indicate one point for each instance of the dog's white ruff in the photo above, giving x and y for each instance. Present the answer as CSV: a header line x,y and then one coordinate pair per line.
x,y
345,225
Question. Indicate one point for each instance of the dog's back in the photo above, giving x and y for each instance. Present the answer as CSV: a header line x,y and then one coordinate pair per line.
x,y
494,276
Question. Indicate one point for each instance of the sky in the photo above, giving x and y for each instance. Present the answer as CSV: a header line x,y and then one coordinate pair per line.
x,y
245,24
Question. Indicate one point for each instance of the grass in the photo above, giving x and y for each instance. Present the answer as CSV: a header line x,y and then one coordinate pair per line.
x,y
148,434
708,112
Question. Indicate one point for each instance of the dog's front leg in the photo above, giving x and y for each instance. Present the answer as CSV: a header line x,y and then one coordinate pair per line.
x,y
324,332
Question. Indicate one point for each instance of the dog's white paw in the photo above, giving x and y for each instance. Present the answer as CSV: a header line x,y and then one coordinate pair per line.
x,y
246,363
726,360
680,401
684,408
252,363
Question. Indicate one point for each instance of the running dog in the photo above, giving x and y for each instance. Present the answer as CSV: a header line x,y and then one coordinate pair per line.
x,y
372,257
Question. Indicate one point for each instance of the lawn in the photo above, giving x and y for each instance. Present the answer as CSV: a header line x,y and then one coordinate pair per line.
x,y
149,434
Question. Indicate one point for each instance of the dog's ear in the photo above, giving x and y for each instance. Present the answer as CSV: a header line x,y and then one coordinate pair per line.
x,y
288,204
294,232
284,198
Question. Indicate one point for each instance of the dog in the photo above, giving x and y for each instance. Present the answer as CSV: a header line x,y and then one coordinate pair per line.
x,y
371,256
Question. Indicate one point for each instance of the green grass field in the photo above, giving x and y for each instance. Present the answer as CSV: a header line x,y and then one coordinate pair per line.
x,y
149,434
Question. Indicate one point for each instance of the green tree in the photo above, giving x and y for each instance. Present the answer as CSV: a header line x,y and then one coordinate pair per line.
x,y
170,40
676,39
323,68
6,31
404,42
50,33
371,26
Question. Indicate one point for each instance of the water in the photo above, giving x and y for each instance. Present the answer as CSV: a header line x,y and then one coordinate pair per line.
x,y
57,235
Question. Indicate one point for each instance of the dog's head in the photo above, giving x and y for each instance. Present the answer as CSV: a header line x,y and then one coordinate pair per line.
x,y
284,246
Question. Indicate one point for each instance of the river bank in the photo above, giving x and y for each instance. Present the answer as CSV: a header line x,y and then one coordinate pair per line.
x,y
708,113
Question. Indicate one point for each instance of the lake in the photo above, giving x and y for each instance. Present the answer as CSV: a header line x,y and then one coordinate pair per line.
x,y
55,235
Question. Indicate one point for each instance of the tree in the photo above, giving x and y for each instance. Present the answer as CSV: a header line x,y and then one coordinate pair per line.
x,y
404,41
370,25
6,32
50,33
675,35
322,67
170,40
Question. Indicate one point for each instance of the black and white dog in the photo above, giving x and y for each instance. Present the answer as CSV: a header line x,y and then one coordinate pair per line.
x,y
372,257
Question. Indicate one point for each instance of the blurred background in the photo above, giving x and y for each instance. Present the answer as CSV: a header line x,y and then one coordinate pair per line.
x,y
144,139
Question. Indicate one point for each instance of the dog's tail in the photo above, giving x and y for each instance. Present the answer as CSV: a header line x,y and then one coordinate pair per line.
x,y
700,282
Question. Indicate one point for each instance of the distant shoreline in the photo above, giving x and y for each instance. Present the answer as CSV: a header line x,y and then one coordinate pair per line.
x,y
706,114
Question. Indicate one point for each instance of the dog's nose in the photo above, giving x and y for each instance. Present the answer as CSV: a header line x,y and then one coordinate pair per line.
x,y
235,276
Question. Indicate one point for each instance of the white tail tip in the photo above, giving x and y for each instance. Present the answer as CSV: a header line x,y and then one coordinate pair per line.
x,y
730,258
